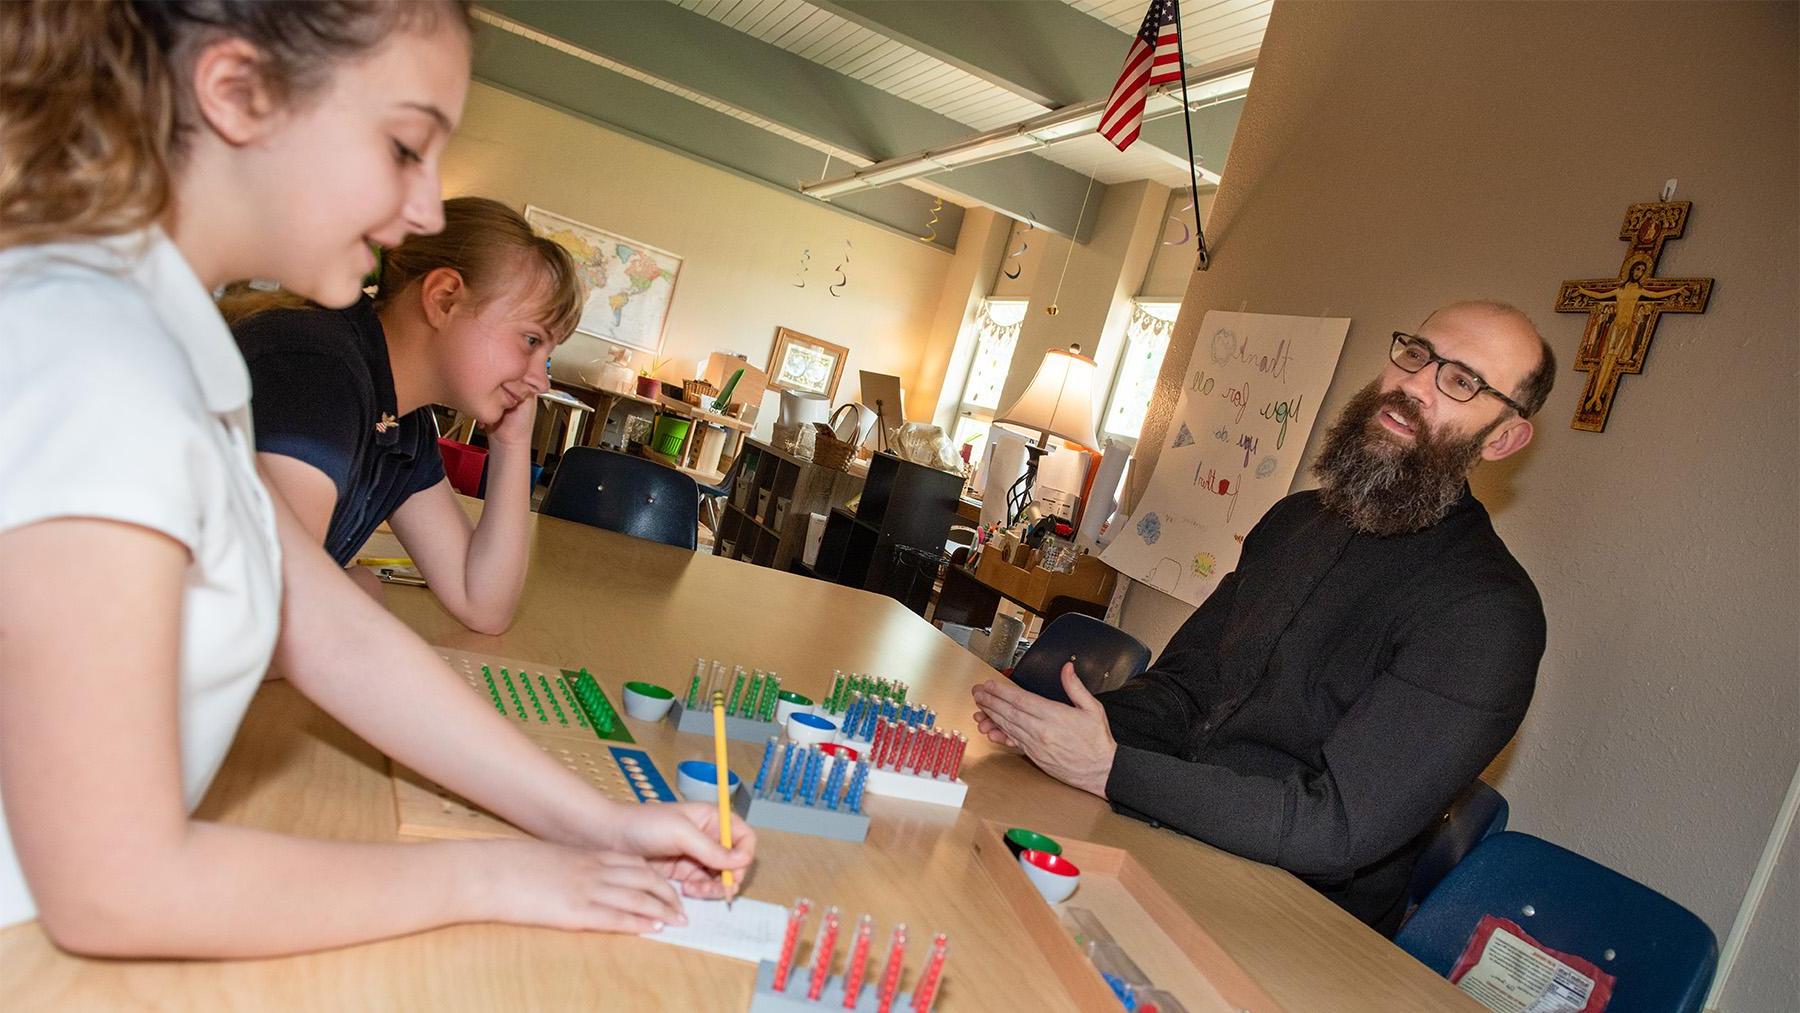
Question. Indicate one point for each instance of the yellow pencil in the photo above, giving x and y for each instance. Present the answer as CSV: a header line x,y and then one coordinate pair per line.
x,y
384,561
718,708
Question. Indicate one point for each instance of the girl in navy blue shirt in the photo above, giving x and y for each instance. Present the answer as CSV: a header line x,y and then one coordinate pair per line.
x,y
342,400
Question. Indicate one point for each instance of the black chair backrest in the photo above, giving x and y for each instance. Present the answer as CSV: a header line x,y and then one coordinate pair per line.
x,y
1477,813
630,495
1104,655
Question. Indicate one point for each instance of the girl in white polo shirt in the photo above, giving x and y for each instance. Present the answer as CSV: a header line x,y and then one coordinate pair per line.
x,y
150,152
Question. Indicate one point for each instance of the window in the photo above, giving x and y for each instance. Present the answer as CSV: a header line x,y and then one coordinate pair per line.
x,y
996,335
1146,342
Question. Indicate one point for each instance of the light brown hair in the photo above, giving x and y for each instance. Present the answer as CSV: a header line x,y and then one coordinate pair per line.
x,y
489,244
94,104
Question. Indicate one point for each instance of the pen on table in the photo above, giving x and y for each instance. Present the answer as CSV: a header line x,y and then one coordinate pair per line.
x,y
718,709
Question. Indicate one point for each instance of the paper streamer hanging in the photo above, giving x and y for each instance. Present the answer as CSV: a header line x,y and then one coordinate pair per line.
x,y
1018,269
1186,233
843,279
805,257
930,235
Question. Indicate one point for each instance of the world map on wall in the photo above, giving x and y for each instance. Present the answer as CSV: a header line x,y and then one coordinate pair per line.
x,y
629,284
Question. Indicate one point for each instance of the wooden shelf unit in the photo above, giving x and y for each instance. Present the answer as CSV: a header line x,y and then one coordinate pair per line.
x,y
764,520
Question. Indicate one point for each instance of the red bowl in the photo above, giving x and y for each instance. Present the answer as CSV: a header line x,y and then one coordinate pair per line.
x,y
1056,865
838,749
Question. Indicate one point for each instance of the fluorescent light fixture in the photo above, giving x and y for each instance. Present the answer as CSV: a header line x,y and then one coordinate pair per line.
x,y
1039,131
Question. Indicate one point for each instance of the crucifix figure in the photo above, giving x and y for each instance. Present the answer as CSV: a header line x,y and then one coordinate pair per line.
x,y
1623,311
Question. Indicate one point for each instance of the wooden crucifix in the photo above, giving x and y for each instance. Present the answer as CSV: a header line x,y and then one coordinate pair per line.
x,y
1623,311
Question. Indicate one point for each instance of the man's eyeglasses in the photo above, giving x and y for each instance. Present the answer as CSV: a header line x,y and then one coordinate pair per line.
x,y
1457,381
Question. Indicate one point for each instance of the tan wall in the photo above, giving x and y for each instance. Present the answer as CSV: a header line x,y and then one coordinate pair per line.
x,y
742,241
1392,157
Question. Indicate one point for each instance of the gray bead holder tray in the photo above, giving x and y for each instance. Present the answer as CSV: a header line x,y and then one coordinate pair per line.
x,y
794,792
699,721
766,1000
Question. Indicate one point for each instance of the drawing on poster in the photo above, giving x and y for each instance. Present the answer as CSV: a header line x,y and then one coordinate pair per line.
x,y
1253,393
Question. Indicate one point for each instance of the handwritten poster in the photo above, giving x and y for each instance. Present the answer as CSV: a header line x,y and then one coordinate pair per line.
x,y
1247,405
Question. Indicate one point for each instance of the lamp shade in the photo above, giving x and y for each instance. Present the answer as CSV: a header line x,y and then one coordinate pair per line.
x,y
1060,400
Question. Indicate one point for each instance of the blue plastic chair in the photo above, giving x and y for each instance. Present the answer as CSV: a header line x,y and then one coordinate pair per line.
x,y
626,494
1477,814
1105,656
1662,955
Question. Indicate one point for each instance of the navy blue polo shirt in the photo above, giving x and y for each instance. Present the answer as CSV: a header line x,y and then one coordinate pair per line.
x,y
322,391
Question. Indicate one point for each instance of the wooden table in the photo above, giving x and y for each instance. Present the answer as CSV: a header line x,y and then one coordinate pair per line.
x,y
628,609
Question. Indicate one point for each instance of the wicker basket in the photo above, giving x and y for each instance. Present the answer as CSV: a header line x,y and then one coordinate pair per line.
x,y
692,391
829,451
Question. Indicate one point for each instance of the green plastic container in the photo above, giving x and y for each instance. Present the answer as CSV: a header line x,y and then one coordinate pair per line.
x,y
668,435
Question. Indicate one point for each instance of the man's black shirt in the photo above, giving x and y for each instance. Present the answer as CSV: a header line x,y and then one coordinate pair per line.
x,y
1333,696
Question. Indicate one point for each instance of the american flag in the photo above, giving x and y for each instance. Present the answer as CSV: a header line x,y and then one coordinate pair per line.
x,y
1154,59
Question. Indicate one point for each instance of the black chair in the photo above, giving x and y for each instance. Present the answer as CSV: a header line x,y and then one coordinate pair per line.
x,y
626,494
713,495
1478,813
1105,656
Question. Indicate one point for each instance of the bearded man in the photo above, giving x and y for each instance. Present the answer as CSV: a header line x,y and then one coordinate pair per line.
x,y
1374,650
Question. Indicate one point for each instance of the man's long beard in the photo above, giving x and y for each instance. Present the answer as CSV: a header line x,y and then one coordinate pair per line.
x,y
1382,486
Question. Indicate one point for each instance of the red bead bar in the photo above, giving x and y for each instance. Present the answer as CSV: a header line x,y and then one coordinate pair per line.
x,y
788,941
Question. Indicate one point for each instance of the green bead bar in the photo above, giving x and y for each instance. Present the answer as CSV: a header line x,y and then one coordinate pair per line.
x,y
753,693
550,696
693,693
737,691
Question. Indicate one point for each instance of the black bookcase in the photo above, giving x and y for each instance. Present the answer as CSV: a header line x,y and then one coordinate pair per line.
x,y
765,518
891,544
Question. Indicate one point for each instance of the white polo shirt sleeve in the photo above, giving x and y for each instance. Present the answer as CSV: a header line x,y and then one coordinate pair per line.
x,y
101,418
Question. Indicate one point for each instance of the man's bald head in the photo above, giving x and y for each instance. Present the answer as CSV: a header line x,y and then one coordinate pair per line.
x,y
1518,359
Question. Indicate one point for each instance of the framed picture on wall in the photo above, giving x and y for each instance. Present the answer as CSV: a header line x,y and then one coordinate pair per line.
x,y
630,284
804,363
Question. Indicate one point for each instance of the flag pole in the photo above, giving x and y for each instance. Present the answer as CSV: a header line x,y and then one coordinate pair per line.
x,y
1187,127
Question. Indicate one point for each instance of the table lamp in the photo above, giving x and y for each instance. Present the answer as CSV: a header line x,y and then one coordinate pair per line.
x,y
1058,402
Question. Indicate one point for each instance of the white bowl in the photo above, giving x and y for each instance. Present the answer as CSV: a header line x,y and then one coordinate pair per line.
x,y
809,729
1054,876
644,706
698,781
783,708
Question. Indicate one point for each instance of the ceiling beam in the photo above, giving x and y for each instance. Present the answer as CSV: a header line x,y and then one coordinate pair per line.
x,y
617,102
1005,42
832,109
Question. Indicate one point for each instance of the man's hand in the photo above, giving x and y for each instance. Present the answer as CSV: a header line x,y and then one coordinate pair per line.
x,y
1072,744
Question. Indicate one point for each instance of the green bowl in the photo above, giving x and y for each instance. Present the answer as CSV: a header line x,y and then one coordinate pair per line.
x,y
792,697
1020,839
650,689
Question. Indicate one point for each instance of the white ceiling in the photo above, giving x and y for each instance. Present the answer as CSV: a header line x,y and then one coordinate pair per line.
x,y
1220,33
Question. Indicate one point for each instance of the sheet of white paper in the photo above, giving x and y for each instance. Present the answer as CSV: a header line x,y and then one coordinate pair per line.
x,y
1247,405
750,930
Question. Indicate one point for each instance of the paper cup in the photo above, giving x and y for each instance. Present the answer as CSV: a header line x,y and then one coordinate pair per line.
x,y
699,781
647,701
1054,876
808,729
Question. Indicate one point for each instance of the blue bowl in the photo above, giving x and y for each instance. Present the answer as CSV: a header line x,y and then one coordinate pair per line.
x,y
698,781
